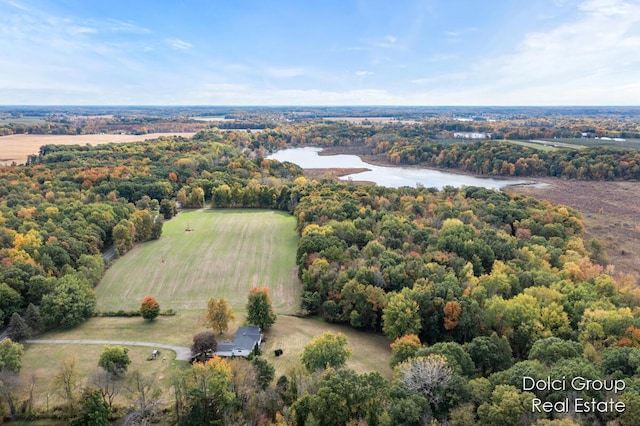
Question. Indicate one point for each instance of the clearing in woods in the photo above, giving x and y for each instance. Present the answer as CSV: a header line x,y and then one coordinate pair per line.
x,y
208,253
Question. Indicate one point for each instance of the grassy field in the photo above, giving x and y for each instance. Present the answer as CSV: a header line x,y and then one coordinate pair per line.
x,y
224,253
543,146
590,142
41,362
18,147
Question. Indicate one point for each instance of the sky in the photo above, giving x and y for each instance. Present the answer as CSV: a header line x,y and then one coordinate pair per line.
x,y
330,52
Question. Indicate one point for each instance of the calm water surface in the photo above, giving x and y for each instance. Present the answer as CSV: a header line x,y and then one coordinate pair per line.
x,y
394,177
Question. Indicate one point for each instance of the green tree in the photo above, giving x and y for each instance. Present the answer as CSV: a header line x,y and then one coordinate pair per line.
x,y
401,316
10,356
18,329
490,354
10,366
552,349
149,309
343,397
71,302
93,410
33,319
219,314
507,407
10,302
264,370
324,351
259,309
115,360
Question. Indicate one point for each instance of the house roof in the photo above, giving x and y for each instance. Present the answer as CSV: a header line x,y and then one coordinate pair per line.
x,y
246,337
245,340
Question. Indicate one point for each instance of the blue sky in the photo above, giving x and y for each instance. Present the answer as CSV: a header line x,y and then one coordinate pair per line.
x,y
346,52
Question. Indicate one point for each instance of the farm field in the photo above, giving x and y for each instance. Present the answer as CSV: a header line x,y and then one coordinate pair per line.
x,y
18,147
208,253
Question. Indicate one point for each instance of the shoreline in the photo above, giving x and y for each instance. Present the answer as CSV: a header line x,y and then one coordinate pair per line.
x,y
379,160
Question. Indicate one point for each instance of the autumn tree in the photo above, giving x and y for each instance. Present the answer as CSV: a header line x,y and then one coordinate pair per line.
x,y
326,350
149,309
219,314
259,309
204,392
403,348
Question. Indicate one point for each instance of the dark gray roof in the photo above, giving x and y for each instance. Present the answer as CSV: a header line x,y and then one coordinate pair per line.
x,y
246,337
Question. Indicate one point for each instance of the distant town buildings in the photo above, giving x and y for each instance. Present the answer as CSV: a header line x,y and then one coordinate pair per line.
x,y
471,135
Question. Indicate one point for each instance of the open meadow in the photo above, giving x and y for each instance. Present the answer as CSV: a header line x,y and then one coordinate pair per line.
x,y
224,253
208,253
16,148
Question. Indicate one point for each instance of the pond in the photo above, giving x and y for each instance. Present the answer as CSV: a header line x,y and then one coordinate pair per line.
x,y
393,177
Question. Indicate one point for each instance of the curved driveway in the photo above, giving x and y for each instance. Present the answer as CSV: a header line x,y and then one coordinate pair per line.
x,y
182,353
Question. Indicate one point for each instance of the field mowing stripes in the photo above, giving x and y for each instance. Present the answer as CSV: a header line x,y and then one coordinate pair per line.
x,y
225,253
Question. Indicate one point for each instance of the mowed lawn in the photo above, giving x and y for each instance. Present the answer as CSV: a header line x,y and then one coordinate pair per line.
x,y
208,253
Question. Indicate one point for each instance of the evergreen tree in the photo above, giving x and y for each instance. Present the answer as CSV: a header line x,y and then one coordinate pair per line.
x,y
18,329
33,319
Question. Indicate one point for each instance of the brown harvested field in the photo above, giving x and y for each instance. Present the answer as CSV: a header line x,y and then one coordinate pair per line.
x,y
611,213
18,147
373,120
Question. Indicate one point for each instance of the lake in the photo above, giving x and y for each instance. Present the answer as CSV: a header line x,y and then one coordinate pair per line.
x,y
393,177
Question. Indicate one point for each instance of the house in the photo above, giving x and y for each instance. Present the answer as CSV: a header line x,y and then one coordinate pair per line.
x,y
245,340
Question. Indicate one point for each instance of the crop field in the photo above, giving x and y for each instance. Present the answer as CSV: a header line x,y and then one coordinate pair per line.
x,y
18,147
208,253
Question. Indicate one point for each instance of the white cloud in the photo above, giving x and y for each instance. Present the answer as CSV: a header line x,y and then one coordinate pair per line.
x,y
284,72
178,44
126,27
361,73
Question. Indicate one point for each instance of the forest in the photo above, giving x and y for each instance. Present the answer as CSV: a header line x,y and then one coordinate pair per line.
x,y
477,289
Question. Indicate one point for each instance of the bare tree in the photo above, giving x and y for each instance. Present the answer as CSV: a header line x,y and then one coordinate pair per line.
x,y
108,384
145,395
9,380
428,376
67,381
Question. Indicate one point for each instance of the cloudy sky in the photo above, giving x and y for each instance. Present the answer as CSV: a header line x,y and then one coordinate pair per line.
x,y
331,52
